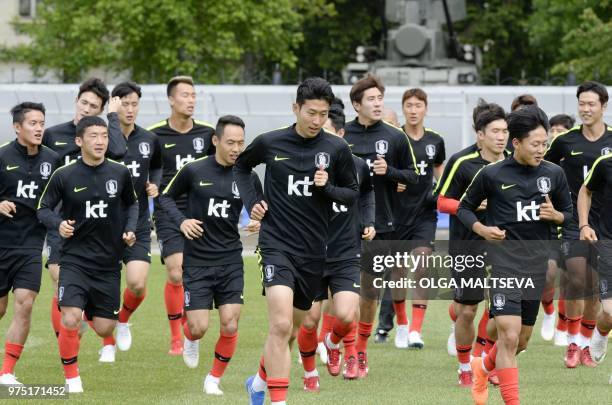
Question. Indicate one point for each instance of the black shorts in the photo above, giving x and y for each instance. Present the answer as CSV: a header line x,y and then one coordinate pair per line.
x,y
141,250
19,269
556,255
303,275
54,247
523,302
604,269
97,292
572,246
169,236
422,232
341,275
222,285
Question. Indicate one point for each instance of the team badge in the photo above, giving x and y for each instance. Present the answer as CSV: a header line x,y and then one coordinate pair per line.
x,y
45,170
606,150
198,144
60,293
187,298
269,272
544,184
322,159
144,149
499,300
430,150
603,287
235,190
382,147
111,188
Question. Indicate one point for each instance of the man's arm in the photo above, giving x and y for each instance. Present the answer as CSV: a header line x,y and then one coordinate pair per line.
x,y
130,200
49,199
156,164
117,144
346,191
178,186
475,194
405,172
554,153
594,182
253,155
367,201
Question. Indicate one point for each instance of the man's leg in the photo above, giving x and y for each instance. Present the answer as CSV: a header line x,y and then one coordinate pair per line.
x,y
385,317
173,297
577,274
464,337
19,328
367,312
346,307
195,325
599,341
307,345
419,300
69,345
56,315
548,323
229,314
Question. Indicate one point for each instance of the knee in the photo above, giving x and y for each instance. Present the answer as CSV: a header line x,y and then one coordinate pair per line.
x,y
510,339
138,287
71,320
466,313
346,315
175,274
197,329
311,321
281,329
23,307
229,328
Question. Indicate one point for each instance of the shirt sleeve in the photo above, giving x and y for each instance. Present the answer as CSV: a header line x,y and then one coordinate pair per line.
x,y
156,163
117,144
474,195
596,179
346,189
131,202
554,153
455,183
178,186
440,153
367,201
405,172
561,198
51,196
253,155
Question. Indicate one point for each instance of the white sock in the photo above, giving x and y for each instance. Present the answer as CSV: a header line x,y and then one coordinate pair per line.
x,y
313,373
329,342
572,339
465,367
278,403
212,379
485,368
584,341
259,384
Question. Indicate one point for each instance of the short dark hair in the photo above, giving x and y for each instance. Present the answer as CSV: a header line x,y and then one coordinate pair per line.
x,y
564,120
175,81
485,113
20,110
416,92
525,120
596,88
97,87
89,121
336,114
364,84
314,88
227,120
522,101
125,89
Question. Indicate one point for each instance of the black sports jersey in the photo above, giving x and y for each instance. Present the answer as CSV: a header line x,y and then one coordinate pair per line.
x,y
417,201
23,177
384,139
576,154
102,202
514,193
450,163
178,149
347,223
298,211
60,138
599,180
213,198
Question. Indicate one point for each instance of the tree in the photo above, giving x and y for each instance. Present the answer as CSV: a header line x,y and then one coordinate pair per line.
x,y
155,39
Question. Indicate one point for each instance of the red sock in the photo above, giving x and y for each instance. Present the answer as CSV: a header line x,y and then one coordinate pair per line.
x,y
340,330
68,341
262,370
481,338
173,296
451,312
509,385
349,342
56,316
562,319
547,301
587,326
488,346
12,351
418,313
224,350
277,387
573,324
548,307
186,331
364,330
489,361
130,303
326,325
463,353
110,340
602,333
400,312
307,343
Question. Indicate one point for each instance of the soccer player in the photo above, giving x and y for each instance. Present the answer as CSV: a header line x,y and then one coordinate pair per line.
x,y
349,225
387,152
306,170
492,132
520,102
143,158
90,101
212,264
576,151
599,180
529,194
390,116
559,124
98,218
183,140
25,168
416,216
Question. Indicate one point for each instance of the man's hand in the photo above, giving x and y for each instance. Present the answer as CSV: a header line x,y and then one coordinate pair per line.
x,y
259,210
401,187
482,206
253,226
320,177
66,228
368,233
129,238
588,233
6,207
191,229
489,232
380,166
152,190
549,213
113,104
